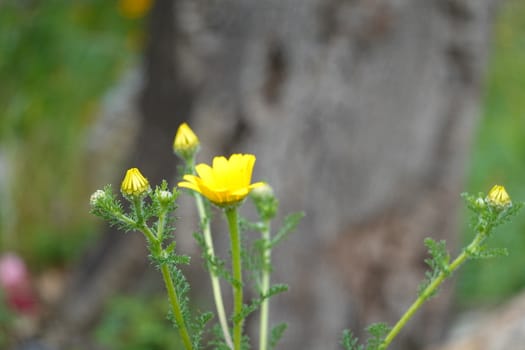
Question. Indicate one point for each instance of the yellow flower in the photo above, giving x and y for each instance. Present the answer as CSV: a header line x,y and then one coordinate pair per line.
x,y
134,184
134,8
186,143
226,182
498,196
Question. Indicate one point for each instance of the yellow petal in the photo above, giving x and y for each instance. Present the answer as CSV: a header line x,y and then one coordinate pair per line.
x,y
134,183
206,173
226,182
258,184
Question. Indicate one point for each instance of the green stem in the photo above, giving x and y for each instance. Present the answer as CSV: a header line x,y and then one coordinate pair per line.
x,y
123,218
215,284
233,223
431,289
265,286
175,306
160,226
170,288
157,251
137,201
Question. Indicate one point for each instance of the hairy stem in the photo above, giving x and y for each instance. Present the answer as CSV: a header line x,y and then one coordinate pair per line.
x,y
233,223
175,306
157,251
431,289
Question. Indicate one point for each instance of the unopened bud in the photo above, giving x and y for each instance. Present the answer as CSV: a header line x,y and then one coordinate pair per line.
x,y
498,196
164,196
134,183
480,202
96,197
186,143
262,192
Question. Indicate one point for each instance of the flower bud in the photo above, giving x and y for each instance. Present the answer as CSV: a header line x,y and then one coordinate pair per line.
x,y
265,202
165,197
480,202
186,143
498,196
134,183
96,197
262,192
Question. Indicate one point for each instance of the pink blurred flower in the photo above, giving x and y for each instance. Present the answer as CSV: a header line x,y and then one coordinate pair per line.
x,y
16,284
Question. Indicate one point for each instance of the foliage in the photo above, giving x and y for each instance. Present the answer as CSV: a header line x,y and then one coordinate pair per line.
x,y
488,212
438,262
136,323
290,223
57,59
376,332
350,342
151,213
276,334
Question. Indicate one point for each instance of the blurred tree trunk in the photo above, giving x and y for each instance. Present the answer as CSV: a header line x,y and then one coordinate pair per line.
x,y
360,112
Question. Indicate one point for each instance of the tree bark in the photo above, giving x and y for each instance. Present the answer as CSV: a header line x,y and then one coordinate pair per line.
x,y
360,113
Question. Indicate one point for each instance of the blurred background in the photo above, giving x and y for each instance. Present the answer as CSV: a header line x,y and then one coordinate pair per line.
x,y
372,116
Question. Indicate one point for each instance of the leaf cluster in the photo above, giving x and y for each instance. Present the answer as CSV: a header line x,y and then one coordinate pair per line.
x,y
106,206
217,342
182,289
256,303
438,264
485,217
256,256
198,327
377,332
151,214
253,256
277,333
289,225
196,324
212,263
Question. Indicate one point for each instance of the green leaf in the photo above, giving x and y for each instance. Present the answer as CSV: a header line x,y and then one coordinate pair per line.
x,y
277,333
350,342
246,225
256,303
378,332
290,223
438,263
486,253
198,326
218,342
508,213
